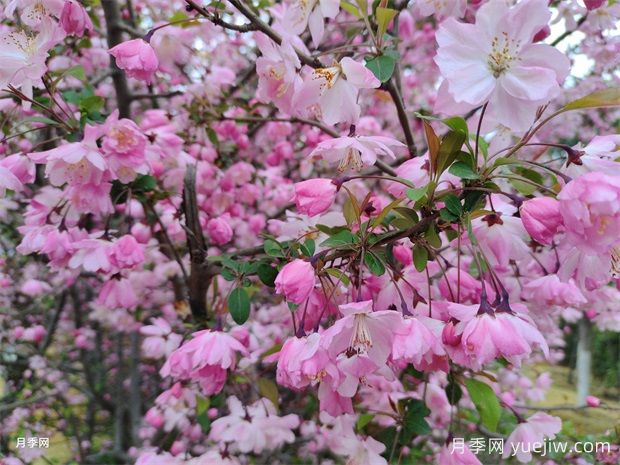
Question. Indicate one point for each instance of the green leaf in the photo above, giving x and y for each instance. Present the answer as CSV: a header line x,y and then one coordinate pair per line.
x,y
453,204
462,170
267,274
453,391
92,104
204,421
145,183
384,16
449,149
457,123
601,98
77,72
382,66
38,119
420,257
414,422
268,389
363,420
350,8
486,402
335,272
417,193
340,239
374,264
432,237
202,404
273,248
239,305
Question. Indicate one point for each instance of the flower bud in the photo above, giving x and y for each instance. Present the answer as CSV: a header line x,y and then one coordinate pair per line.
x,y
314,196
541,218
594,4
74,19
137,58
295,281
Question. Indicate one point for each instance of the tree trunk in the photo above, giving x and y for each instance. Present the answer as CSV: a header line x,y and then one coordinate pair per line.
x,y
584,360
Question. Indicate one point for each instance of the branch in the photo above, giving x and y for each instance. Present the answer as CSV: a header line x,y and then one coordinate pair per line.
x,y
115,36
565,34
199,274
402,116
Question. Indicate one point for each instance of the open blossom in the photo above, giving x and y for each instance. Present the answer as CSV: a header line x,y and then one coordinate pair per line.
x,y
342,440
137,58
124,147
332,92
301,362
455,455
418,341
23,57
361,341
15,171
295,281
74,163
356,152
277,72
495,61
219,231
535,430
126,252
599,155
550,290
441,8
314,196
206,358
541,218
590,208
253,428
312,13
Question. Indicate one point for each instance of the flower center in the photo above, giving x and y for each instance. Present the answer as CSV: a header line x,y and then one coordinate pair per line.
x,y
503,53
353,159
361,341
328,75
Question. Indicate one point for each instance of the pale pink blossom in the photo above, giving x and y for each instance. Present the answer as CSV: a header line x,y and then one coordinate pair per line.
x,y
535,430
206,357
454,454
302,361
441,8
124,147
312,13
219,230
418,341
590,208
356,152
74,163
495,61
332,92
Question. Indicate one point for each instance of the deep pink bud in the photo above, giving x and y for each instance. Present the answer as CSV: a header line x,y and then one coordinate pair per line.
x,y
594,4
314,196
74,19
449,336
541,218
295,281
542,34
593,401
137,58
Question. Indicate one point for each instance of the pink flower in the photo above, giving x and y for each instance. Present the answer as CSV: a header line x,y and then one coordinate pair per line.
x,y
277,72
23,56
549,290
342,440
137,58
414,170
334,90
594,4
590,208
15,171
295,281
495,61
117,293
441,9
541,218
124,147
219,231
314,196
310,13
74,163
74,19
362,340
206,358
593,401
254,428
301,362
418,341
533,431
356,152
457,455
126,252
